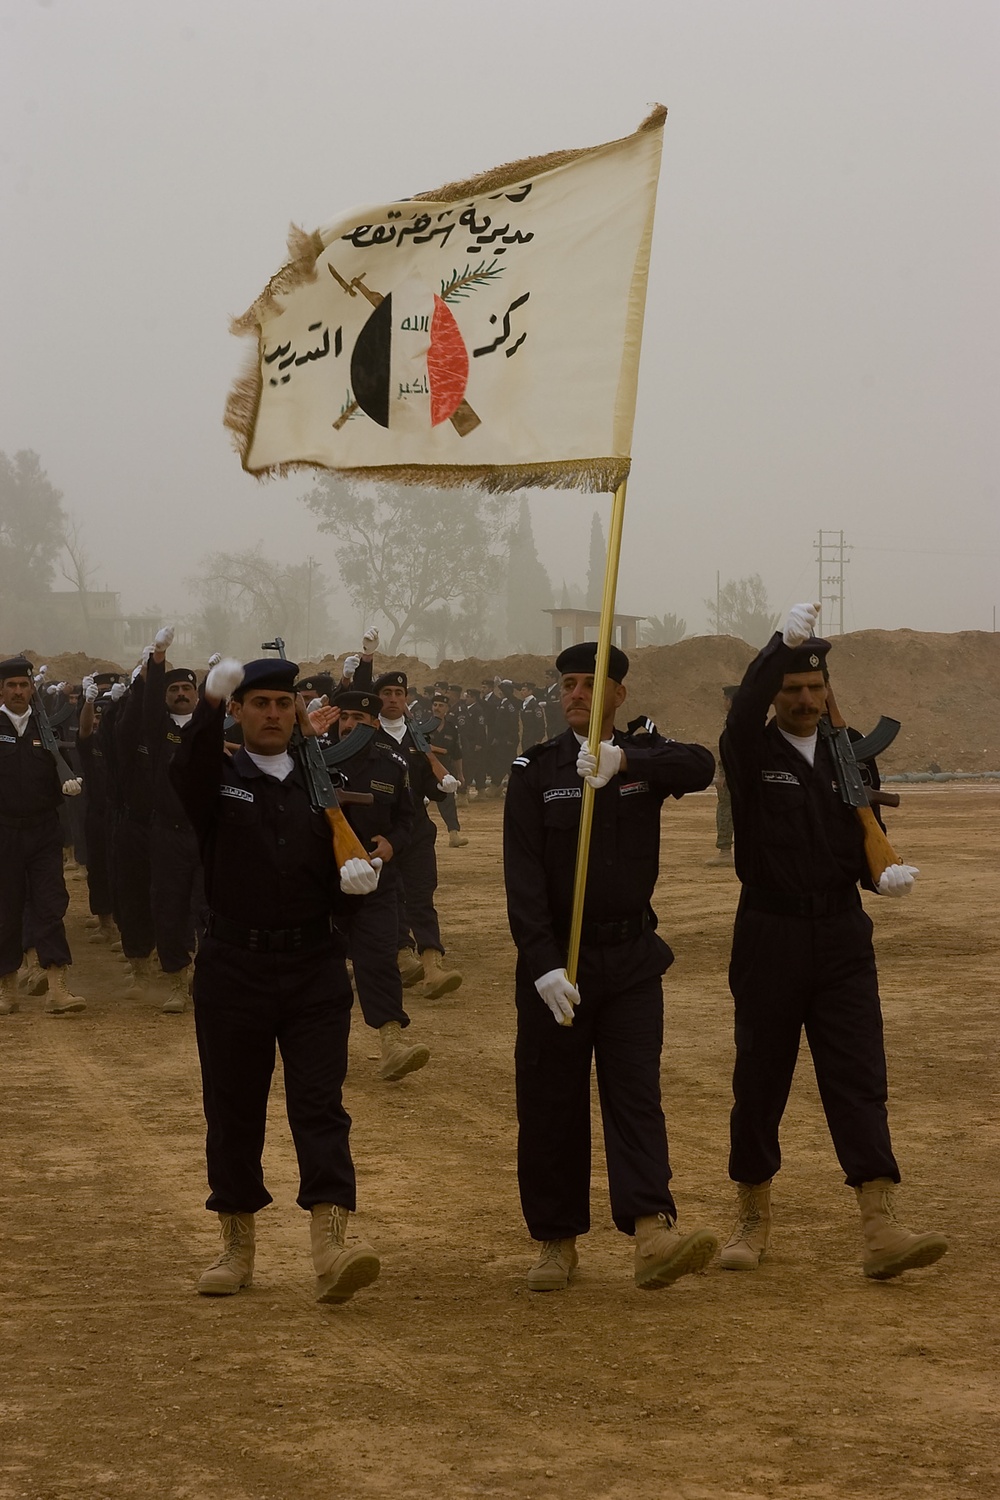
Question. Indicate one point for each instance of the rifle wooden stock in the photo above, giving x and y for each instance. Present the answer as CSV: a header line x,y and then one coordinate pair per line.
x,y
878,851
346,844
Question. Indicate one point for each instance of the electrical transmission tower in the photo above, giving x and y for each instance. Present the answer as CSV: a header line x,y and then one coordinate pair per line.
x,y
830,549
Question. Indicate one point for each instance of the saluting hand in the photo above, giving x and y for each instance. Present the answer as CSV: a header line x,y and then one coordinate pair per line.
x,y
322,717
559,995
801,623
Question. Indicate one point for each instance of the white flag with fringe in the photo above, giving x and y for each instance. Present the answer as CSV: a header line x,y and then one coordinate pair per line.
x,y
484,334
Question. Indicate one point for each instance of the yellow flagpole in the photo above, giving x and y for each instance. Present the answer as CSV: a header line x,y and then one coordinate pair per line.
x,y
596,716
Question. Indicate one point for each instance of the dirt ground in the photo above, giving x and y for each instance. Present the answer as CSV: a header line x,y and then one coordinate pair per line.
x,y
447,1378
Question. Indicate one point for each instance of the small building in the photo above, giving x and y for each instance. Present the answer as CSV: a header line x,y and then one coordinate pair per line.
x,y
571,626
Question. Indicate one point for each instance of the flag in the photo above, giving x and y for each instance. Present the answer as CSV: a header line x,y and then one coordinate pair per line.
x,y
484,334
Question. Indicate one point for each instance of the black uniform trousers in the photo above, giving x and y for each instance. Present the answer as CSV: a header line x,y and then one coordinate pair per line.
x,y
130,868
370,927
245,1004
448,808
177,892
417,868
33,897
98,867
790,972
619,1022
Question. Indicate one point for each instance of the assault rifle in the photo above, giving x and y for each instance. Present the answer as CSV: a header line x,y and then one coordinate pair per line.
x,y
49,740
323,795
846,754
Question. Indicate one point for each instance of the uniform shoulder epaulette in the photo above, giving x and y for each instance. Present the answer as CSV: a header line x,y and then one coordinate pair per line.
x,y
532,753
640,728
389,751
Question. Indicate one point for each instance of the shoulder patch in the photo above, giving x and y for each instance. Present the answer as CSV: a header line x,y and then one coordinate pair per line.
x,y
783,778
641,727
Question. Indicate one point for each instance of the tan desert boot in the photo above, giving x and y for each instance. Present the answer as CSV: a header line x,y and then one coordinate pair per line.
x,y
140,978
456,840
234,1268
663,1254
341,1270
411,970
34,981
437,981
891,1249
747,1245
61,1001
106,931
8,994
557,1260
177,995
399,1056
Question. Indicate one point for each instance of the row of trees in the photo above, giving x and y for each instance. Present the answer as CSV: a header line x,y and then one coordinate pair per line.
x,y
453,573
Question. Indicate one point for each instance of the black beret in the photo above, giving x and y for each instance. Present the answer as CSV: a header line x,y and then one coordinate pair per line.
x,y
474,692
454,687
180,674
390,679
365,702
583,658
16,666
318,684
441,697
268,672
809,657
105,679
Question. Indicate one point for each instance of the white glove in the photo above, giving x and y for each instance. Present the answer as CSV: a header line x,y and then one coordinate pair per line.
x,y
358,877
73,787
43,672
163,638
448,783
369,640
559,995
136,670
351,664
215,658
51,688
87,681
223,679
91,691
897,880
61,687
117,691
801,624
314,704
598,771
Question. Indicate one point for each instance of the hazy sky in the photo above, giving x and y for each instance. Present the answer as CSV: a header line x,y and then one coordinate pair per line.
x,y
821,341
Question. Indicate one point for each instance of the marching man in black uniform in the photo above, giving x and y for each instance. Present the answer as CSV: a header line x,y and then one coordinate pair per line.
x,y
270,970
177,896
417,865
615,1014
802,953
370,923
31,858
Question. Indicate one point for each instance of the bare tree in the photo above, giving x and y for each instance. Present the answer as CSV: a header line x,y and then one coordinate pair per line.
x,y
742,610
247,597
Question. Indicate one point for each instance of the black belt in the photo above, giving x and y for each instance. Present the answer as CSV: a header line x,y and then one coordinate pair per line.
x,y
269,939
611,934
804,904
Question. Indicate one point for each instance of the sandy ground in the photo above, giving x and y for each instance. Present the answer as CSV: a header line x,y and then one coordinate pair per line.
x,y
447,1378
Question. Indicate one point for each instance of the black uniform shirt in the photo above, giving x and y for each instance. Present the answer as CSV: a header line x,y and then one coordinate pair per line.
x,y
542,823
444,739
793,833
506,723
532,722
379,768
471,721
268,856
30,789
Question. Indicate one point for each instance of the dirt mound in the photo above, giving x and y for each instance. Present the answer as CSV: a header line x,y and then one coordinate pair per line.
x,y
945,689
70,666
